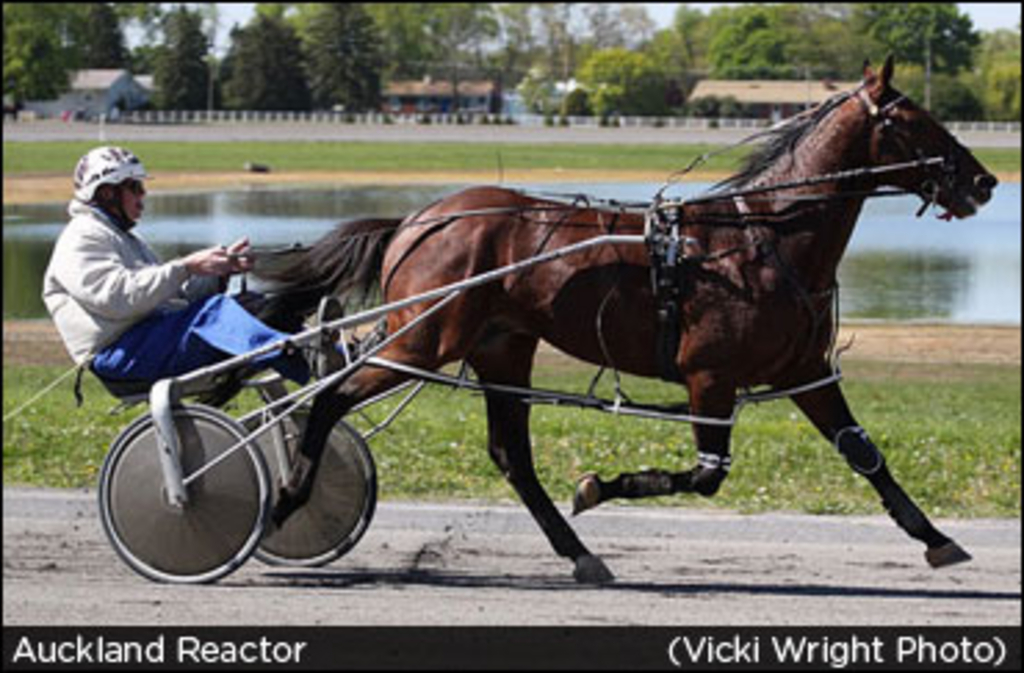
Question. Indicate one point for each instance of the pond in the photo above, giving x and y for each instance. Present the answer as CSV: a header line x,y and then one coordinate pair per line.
x,y
897,267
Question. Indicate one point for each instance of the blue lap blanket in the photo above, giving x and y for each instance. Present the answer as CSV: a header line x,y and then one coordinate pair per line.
x,y
208,331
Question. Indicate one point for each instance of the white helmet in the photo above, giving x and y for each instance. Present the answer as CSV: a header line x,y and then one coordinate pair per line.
x,y
105,166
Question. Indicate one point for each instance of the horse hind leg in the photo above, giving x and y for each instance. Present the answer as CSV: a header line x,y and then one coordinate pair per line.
x,y
704,478
508,359
329,407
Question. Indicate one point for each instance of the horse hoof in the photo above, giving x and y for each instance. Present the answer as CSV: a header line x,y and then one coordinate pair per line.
x,y
592,570
946,555
285,507
588,494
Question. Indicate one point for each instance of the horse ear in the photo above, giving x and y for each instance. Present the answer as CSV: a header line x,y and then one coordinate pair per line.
x,y
887,70
868,72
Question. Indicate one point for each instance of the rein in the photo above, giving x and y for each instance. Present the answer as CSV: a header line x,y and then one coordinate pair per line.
x,y
815,180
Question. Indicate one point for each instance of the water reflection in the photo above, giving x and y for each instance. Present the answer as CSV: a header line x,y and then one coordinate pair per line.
x,y
897,285
896,267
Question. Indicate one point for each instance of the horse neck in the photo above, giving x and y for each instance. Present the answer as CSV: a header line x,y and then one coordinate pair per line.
x,y
817,244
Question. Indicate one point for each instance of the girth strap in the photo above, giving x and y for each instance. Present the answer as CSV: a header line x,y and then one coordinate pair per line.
x,y
669,335
664,246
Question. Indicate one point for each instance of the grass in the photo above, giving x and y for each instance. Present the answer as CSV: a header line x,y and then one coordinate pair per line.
x,y
951,435
23,158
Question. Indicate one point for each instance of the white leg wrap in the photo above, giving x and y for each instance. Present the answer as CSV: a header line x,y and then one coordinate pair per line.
x,y
713,461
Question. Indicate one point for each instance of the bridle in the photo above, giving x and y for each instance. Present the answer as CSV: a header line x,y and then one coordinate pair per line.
x,y
930,187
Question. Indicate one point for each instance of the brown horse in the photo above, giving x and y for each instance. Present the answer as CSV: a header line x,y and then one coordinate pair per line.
x,y
756,306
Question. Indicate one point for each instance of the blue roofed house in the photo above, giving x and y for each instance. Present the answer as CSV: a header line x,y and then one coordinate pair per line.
x,y
430,96
97,92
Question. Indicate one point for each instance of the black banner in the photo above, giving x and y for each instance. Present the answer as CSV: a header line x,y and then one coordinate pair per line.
x,y
507,648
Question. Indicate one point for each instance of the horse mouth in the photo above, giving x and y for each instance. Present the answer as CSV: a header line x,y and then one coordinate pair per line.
x,y
960,208
968,206
962,205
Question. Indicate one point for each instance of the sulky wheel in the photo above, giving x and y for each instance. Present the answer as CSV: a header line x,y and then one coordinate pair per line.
x,y
222,522
340,507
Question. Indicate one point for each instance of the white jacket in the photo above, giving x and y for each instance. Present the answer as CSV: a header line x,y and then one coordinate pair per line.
x,y
102,280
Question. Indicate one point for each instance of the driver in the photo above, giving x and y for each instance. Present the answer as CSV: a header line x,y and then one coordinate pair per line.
x,y
130,316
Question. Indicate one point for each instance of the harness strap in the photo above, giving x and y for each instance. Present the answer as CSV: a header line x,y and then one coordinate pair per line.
x,y
663,245
53,384
78,387
670,332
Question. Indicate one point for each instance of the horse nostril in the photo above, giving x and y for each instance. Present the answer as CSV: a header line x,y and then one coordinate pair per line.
x,y
985,182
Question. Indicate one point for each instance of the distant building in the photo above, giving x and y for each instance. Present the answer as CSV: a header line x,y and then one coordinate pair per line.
x,y
771,99
429,96
96,92
11,106
512,104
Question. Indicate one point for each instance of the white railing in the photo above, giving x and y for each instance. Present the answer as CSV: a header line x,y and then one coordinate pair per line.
x,y
984,127
172,117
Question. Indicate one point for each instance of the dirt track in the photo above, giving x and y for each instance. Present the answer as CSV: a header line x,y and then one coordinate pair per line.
x,y
37,342
423,564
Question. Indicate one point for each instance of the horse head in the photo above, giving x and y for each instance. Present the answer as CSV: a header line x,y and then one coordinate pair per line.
x,y
903,132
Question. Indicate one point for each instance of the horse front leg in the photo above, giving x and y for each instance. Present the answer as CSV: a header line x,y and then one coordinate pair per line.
x,y
708,400
827,410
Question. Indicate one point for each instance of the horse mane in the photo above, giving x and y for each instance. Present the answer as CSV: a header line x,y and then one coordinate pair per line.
x,y
781,141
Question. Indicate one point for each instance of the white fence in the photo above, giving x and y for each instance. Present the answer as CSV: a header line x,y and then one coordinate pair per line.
x,y
173,117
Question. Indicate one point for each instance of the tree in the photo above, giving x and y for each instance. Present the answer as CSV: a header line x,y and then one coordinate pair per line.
x,y
637,24
147,15
142,59
1002,91
99,39
692,27
912,31
1000,82
750,46
38,56
623,82
953,97
406,50
343,56
264,68
148,18
537,90
181,75
516,39
668,53
618,25
555,20
785,41
606,32
576,104
459,29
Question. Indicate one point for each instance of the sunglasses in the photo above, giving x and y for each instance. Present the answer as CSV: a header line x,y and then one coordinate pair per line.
x,y
135,187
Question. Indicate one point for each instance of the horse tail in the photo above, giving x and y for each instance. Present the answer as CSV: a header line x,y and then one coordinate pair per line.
x,y
346,262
